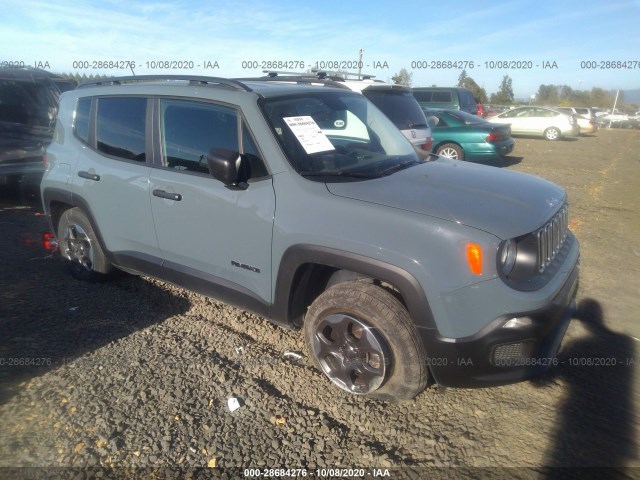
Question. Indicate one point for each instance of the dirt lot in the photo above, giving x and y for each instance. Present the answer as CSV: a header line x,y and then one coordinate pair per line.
x,y
137,373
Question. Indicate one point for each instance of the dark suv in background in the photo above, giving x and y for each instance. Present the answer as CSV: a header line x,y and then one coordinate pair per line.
x,y
452,98
28,108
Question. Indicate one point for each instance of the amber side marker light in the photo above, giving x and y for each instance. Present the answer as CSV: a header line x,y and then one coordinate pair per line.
x,y
474,258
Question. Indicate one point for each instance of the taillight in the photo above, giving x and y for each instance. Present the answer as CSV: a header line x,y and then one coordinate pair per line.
x,y
493,137
427,146
45,160
49,242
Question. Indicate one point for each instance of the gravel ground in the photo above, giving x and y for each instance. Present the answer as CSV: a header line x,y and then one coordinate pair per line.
x,y
134,375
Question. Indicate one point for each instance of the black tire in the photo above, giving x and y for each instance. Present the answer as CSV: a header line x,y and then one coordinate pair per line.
x,y
363,339
552,133
451,150
78,244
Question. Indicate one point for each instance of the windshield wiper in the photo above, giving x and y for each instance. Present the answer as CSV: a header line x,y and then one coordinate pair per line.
x,y
398,166
418,125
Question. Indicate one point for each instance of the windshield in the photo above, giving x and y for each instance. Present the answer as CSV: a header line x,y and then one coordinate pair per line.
x,y
335,134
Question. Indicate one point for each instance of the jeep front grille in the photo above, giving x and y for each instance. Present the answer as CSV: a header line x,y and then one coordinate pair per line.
x,y
551,237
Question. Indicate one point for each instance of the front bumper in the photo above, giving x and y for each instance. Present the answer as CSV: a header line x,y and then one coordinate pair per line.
x,y
497,355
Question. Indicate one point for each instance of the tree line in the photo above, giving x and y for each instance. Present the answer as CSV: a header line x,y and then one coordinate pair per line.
x,y
560,95
84,77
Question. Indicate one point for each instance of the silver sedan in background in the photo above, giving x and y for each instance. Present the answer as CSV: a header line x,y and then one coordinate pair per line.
x,y
549,123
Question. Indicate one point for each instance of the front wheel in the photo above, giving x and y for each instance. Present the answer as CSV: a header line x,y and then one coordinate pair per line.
x,y
552,133
78,243
451,150
364,341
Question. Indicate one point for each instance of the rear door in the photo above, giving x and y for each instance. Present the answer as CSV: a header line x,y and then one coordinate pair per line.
x,y
213,239
111,178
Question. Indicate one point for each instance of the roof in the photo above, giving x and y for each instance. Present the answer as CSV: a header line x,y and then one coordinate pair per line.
x,y
265,87
321,78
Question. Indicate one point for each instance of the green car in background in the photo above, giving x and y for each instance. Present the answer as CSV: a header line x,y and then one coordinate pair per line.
x,y
461,136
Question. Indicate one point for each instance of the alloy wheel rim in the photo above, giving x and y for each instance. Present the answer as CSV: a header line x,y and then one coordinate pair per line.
x,y
351,353
449,153
78,247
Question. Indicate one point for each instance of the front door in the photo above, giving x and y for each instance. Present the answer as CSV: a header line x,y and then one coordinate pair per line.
x,y
213,239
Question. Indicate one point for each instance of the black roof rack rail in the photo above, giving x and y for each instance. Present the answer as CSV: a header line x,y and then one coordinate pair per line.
x,y
364,76
192,79
275,73
320,74
299,78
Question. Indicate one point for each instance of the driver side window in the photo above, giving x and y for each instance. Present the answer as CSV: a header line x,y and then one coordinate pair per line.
x,y
190,129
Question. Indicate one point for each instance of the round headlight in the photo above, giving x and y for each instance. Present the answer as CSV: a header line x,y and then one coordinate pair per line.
x,y
508,254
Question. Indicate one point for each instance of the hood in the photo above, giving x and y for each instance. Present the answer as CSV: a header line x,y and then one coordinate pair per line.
x,y
502,202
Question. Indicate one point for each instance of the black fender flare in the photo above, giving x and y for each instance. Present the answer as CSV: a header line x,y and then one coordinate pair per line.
x,y
298,255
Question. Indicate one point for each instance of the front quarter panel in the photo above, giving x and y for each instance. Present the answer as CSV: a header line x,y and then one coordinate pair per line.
x,y
428,249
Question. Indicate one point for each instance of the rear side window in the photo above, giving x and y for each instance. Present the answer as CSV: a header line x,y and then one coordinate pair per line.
x,y
422,96
542,112
403,109
517,112
443,97
120,127
81,122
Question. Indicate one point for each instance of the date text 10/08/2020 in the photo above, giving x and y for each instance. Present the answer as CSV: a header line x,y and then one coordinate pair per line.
x,y
337,65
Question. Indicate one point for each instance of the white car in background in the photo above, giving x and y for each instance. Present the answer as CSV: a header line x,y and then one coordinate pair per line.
x,y
531,120
586,122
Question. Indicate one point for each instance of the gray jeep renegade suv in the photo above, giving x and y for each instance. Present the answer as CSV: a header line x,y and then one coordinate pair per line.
x,y
306,205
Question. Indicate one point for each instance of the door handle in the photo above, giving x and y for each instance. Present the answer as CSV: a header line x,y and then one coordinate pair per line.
x,y
169,196
89,176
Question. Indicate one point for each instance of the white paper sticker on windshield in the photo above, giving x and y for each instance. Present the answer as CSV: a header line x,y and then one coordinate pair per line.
x,y
309,134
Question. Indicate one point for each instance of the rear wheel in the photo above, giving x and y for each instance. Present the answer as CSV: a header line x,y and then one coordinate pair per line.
x,y
552,133
78,244
362,338
451,150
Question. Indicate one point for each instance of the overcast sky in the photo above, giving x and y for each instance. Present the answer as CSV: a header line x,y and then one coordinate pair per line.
x,y
393,35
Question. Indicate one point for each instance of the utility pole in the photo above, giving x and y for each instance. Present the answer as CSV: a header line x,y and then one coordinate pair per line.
x,y
360,52
613,112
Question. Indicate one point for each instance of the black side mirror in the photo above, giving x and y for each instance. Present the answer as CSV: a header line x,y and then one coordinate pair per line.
x,y
229,167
